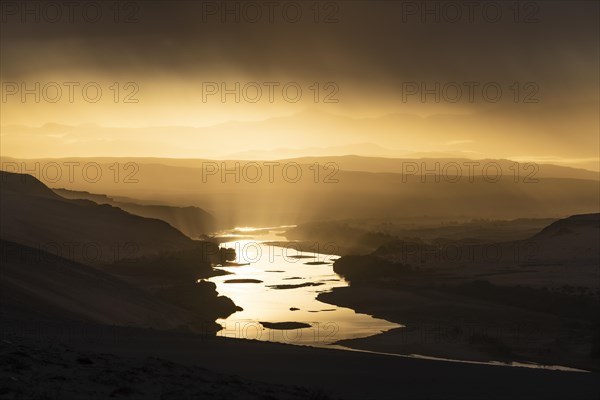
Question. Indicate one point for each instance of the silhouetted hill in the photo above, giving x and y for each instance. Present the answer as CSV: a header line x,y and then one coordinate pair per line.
x,y
80,230
193,221
572,242
25,185
575,225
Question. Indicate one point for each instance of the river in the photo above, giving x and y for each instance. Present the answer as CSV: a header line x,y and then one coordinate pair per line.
x,y
256,287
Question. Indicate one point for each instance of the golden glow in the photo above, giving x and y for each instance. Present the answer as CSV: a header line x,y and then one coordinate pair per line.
x,y
277,266
163,108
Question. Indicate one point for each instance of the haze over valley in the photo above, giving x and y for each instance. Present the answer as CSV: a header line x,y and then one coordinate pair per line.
x,y
299,200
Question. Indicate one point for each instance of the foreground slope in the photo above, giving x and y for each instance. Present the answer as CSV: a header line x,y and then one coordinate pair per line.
x,y
39,283
327,373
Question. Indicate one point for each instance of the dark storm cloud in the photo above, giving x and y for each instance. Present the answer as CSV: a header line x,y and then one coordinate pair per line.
x,y
376,45
369,48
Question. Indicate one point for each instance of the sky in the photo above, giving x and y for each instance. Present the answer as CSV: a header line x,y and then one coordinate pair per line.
x,y
490,79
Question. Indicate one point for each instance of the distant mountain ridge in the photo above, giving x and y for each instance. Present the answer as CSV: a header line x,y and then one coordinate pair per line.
x,y
348,162
555,192
446,166
483,134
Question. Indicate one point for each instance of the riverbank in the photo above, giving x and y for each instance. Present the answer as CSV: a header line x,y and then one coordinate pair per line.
x,y
531,300
447,323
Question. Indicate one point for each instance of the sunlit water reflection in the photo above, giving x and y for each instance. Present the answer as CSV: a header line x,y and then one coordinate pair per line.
x,y
262,302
